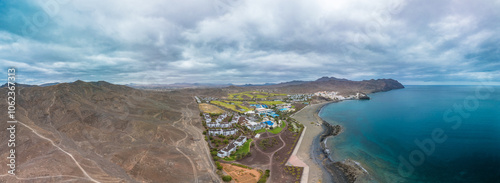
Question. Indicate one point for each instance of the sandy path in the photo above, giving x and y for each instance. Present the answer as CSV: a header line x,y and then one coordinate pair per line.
x,y
305,117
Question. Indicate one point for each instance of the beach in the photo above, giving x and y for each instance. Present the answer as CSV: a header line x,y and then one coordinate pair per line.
x,y
310,151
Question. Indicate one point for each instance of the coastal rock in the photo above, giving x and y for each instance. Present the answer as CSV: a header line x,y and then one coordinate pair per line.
x,y
352,170
362,96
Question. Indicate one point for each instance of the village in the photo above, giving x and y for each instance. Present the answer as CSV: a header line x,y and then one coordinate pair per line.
x,y
253,129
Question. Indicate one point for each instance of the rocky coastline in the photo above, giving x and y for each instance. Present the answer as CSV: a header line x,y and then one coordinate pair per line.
x,y
342,171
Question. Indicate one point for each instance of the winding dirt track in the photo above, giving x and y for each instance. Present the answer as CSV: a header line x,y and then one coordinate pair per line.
x,y
189,129
69,154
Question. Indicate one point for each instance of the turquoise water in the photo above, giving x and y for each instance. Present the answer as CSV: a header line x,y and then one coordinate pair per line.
x,y
422,134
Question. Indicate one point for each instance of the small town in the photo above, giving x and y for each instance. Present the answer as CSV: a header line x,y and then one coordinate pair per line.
x,y
252,132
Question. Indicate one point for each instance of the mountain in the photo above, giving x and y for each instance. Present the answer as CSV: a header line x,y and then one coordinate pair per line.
x,y
326,78
177,85
49,84
108,133
322,84
18,85
334,84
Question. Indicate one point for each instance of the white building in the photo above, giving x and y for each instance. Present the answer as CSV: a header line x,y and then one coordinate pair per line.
x,y
226,151
221,118
213,125
208,119
235,119
240,141
255,126
215,132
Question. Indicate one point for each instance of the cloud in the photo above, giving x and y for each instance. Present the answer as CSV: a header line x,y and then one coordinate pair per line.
x,y
222,41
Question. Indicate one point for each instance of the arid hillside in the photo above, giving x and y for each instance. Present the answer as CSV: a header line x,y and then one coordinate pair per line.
x,y
343,86
100,132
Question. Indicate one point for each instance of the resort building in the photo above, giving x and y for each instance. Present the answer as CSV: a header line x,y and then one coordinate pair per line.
x,y
235,119
221,118
240,141
225,132
269,123
226,151
255,126
208,119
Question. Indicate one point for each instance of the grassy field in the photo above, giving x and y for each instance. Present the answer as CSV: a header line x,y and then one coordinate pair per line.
x,y
243,150
207,108
278,129
260,131
227,104
253,95
269,103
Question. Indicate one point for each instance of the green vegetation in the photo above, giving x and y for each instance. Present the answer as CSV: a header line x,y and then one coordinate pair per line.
x,y
263,178
219,166
260,131
242,166
268,143
295,171
270,103
278,129
253,95
232,105
227,178
219,103
241,152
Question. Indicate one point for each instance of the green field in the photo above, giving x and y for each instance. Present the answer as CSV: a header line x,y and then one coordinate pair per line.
x,y
269,103
278,129
253,95
228,105
260,131
243,150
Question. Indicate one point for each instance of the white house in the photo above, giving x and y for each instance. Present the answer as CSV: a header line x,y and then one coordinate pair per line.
x,y
208,119
229,132
221,118
215,132
235,119
212,125
226,151
240,141
225,125
254,126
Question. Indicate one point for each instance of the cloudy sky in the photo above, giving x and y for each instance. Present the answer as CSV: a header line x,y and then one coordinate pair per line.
x,y
257,41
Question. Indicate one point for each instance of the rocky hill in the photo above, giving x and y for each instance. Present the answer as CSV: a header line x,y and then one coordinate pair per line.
x,y
333,84
87,132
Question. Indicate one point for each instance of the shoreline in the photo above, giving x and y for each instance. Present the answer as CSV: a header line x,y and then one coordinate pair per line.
x,y
310,151
315,153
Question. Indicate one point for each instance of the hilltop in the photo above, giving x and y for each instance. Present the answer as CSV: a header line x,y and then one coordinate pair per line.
x,y
114,132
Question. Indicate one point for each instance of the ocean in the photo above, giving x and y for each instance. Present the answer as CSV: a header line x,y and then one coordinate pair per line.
x,y
421,134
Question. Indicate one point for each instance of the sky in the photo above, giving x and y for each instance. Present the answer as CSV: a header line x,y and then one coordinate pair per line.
x,y
257,41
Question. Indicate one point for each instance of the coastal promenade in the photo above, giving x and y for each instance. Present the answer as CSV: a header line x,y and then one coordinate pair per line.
x,y
302,153
295,161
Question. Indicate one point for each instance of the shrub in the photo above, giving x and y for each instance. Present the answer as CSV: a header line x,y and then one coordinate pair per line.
x,y
263,179
227,178
219,166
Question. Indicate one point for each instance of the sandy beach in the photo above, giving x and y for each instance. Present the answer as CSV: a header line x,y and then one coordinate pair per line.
x,y
309,152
